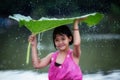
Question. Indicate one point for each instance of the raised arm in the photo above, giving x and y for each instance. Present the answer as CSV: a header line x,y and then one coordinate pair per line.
x,y
76,39
37,62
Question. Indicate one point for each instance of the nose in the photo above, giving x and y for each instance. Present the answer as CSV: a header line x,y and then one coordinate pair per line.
x,y
60,42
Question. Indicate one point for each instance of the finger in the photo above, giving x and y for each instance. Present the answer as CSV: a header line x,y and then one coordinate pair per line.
x,y
30,38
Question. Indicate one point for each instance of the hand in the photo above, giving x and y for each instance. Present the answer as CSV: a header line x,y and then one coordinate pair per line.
x,y
77,21
32,39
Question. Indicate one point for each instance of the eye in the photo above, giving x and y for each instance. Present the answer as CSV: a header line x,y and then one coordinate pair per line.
x,y
56,40
63,38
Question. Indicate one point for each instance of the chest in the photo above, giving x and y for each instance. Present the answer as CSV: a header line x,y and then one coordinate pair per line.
x,y
60,58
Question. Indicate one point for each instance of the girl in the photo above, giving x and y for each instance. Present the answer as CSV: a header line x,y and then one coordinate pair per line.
x,y
64,63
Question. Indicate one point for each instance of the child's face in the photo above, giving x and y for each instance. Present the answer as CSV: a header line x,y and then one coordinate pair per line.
x,y
62,42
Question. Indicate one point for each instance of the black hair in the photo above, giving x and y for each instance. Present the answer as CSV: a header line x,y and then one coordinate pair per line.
x,y
62,30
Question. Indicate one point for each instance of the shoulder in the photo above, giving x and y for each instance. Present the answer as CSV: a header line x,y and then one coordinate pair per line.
x,y
52,54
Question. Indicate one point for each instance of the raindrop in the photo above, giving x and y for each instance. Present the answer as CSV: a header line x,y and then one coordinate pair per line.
x,y
23,64
88,39
16,38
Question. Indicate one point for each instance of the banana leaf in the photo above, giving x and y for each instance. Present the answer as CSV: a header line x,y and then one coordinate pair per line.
x,y
44,24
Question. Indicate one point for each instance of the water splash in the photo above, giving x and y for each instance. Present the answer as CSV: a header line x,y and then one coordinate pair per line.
x,y
39,47
31,75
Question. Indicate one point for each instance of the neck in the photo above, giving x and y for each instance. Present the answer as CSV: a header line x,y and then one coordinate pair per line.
x,y
64,51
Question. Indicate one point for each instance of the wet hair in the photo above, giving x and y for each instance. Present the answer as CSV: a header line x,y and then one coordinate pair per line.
x,y
62,30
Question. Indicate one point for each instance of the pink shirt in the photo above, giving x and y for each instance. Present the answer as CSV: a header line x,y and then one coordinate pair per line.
x,y
69,70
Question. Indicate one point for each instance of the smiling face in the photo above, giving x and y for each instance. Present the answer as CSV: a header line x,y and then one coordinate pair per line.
x,y
62,34
62,41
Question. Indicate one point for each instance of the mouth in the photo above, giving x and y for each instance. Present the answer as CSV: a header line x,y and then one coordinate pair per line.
x,y
60,46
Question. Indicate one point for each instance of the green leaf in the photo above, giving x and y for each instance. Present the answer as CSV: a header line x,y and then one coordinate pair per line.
x,y
93,19
44,24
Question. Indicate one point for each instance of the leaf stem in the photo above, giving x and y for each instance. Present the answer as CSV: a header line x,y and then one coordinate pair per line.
x,y
28,54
